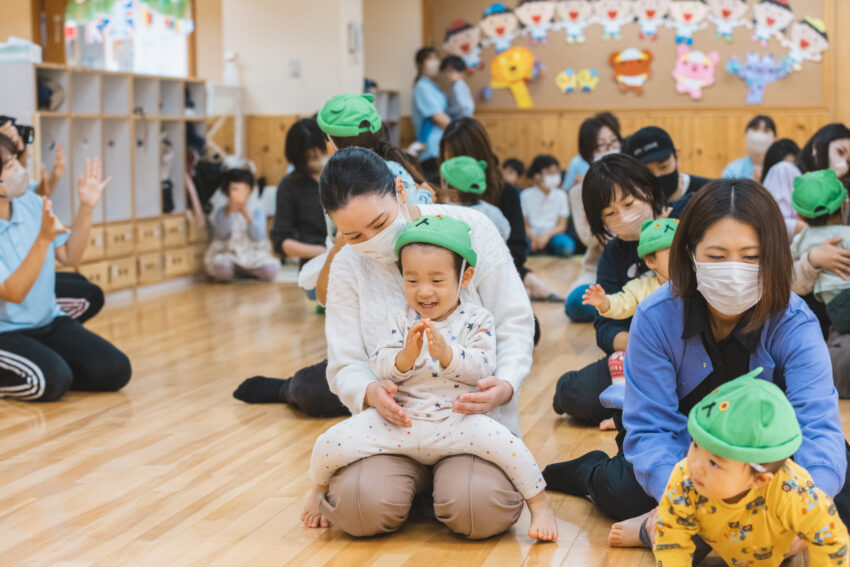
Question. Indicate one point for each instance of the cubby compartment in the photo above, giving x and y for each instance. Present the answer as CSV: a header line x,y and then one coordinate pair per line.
x,y
150,268
195,99
54,132
172,153
87,143
147,180
117,162
171,98
116,94
119,239
96,248
85,92
174,231
122,273
145,96
53,84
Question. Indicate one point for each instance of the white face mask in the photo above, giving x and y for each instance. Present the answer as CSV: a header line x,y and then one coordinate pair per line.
x,y
552,181
599,155
730,287
839,166
15,180
381,247
758,142
626,224
431,68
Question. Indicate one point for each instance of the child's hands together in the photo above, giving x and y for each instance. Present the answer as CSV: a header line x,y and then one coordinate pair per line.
x,y
437,345
595,296
405,359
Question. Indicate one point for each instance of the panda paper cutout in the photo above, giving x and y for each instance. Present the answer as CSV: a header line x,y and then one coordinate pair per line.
x,y
771,17
727,15
500,25
613,15
687,17
573,17
651,15
632,68
536,18
694,71
807,41
464,40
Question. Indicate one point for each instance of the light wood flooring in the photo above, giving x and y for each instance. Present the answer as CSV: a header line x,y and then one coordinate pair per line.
x,y
172,471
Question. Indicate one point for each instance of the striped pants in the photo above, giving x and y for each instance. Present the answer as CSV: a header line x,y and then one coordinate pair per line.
x,y
42,364
78,297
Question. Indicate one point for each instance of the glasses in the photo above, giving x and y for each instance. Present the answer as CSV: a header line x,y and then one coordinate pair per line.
x,y
608,146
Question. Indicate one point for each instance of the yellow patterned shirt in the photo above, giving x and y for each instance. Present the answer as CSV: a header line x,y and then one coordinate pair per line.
x,y
758,530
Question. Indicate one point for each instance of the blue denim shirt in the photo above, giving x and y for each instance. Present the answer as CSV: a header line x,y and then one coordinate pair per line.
x,y
661,368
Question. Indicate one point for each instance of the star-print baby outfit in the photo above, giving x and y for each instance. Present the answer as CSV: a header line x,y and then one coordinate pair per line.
x,y
758,530
427,393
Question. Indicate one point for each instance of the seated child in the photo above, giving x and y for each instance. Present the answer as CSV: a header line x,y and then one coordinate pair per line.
x,y
817,198
545,209
240,246
435,350
512,171
738,488
459,98
464,181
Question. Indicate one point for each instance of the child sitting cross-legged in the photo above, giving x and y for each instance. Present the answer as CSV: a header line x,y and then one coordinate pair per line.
x,y
435,350
738,488
656,237
818,197
464,181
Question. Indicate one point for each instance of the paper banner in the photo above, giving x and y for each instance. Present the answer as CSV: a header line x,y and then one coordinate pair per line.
x,y
613,15
808,40
651,16
500,25
771,19
536,19
632,68
573,17
464,40
687,17
727,15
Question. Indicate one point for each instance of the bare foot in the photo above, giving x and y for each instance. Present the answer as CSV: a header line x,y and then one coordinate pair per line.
x,y
310,516
627,533
608,425
544,526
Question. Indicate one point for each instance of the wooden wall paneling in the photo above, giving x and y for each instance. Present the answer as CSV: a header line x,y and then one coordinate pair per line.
x,y
266,142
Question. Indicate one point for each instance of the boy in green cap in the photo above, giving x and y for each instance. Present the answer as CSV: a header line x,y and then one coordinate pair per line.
x,y
738,488
464,180
436,350
818,197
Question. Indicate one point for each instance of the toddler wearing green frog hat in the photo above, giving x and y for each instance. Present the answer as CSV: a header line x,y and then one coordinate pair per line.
x,y
738,488
464,180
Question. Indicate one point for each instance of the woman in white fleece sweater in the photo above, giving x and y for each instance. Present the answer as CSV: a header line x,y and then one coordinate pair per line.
x,y
471,496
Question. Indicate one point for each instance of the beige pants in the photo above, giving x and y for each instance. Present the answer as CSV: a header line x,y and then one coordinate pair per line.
x,y
472,497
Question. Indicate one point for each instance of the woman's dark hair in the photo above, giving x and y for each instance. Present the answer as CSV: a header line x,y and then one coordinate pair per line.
x,y
539,163
7,144
421,55
515,164
777,152
303,136
236,176
760,120
610,120
453,62
599,189
467,137
588,133
352,172
815,154
748,202
379,143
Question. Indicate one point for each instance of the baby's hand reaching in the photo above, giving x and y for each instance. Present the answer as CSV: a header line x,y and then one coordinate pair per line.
x,y
412,347
595,296
438,347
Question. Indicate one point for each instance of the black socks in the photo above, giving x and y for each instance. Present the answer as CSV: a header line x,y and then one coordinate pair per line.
x,y
572,477
262,390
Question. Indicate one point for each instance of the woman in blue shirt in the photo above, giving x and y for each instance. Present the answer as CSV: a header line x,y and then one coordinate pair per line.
x,y
725,312
428,111
43,351
760,134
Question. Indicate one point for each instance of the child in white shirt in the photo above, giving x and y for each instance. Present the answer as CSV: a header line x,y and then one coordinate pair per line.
x,y
546,210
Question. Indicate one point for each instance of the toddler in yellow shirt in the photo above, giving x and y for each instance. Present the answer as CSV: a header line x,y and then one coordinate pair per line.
x,y
738,488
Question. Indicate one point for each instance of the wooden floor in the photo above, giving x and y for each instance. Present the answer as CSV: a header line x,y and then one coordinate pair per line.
x,y
172,471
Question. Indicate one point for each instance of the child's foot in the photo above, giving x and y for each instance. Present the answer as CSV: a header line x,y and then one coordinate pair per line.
x,y
310,516
608,425
627,533
544,526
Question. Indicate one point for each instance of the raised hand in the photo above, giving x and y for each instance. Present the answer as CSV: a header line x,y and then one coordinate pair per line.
x,y
405,359
50,225
595,296
90,186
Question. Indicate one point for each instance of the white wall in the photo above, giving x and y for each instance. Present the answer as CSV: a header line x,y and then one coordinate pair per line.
x,y
209,54
392,32
269,34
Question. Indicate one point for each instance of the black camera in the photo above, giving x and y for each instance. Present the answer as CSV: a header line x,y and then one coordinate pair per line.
x,y
27,133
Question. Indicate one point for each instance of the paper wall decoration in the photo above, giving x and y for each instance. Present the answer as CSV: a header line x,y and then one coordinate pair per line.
x,y
771,18
758,73
694,71
631,68
587,80
726,15
574,16
807,41
500,25
651,15
613,15
687,17
512,69
464,40
569,81
536,17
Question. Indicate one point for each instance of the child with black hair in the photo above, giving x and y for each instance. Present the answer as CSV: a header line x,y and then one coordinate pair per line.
x,y
545,209
460,101
512,170
818,198
464,181
437,349
240,246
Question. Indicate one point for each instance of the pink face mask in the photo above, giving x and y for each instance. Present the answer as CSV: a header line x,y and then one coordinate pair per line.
x,y
626,224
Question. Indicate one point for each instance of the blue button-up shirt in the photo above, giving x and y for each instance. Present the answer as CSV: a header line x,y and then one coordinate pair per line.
x,y
428,100
17,236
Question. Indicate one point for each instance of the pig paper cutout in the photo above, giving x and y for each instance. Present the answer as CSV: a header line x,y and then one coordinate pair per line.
x,y
771,17
758,73
727,15
807,41
573,17
632,68
536,18
613,15
651,15
694,71
687,17
464,40
500,25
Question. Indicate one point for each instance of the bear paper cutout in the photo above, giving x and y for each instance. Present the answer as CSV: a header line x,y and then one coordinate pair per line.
x,y
694,71
631,68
